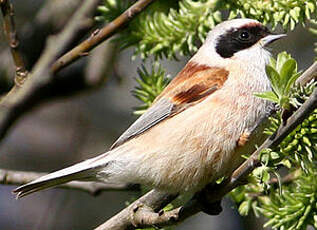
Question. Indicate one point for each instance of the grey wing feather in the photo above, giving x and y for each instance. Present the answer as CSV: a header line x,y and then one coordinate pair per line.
x,y
155,114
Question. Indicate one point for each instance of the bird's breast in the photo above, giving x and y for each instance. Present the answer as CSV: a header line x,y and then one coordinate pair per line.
x,y
198,145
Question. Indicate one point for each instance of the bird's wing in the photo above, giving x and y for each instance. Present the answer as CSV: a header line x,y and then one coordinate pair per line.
x,y
192,85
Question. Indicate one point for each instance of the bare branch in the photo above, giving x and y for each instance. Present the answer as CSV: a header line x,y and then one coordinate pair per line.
x,y
11,177
12,37
129,218
100,35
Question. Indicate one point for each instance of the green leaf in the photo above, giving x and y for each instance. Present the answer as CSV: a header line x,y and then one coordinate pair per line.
x,y
286,163
286,72
274,78
269,95
265,176
281,59
274,155
244,208
291,82
150,85
272,62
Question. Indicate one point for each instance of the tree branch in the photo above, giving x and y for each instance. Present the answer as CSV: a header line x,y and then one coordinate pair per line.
x,y
125,219
12,37
11,177
149,204
101,35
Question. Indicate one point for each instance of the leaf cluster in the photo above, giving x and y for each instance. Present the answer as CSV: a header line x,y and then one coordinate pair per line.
x,y
150,85
296,207
282,74
285,13
287,207
299,147
176,31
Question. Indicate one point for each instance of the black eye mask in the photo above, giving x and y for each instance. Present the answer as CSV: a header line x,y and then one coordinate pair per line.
x,y
239,39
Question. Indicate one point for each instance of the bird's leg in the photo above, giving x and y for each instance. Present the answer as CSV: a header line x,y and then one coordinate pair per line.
x,y
244,138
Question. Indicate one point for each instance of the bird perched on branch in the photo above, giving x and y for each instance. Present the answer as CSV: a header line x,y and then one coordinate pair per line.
x,y
198,127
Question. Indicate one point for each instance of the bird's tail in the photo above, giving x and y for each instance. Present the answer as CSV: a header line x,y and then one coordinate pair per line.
x,y
82,171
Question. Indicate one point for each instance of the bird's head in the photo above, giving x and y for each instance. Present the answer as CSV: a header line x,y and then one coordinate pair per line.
x,y
237,39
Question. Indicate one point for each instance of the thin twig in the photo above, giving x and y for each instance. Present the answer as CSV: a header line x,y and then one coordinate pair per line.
x,y
11,177
12,37
100,35
128,218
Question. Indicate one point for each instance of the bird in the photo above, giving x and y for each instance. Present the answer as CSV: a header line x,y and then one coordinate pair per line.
x,y
200,125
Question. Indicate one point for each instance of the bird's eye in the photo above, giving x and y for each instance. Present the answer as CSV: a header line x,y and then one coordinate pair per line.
x,y
244,36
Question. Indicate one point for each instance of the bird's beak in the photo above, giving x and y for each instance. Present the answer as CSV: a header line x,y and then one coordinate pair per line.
x,y
271,38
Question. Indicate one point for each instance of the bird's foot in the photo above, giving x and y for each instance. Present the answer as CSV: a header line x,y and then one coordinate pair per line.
x,y
135,208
